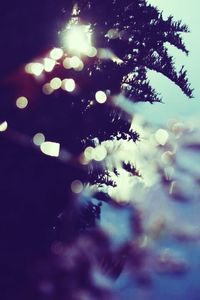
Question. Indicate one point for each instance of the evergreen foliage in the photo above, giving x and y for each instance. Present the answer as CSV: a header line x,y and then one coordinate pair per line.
x,y
50,234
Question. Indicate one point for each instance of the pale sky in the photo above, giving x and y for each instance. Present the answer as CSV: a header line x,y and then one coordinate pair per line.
x,y
176,104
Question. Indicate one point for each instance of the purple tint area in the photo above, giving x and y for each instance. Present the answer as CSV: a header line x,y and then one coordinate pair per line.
x,y
55,242
29,28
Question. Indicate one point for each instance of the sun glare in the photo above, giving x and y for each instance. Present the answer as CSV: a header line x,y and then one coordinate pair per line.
x,y
78,40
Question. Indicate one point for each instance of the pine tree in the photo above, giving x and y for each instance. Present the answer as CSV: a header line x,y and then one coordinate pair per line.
x,y
42,218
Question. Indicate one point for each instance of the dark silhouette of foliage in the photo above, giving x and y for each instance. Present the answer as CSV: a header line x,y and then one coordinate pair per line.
x,y
53,238
137,33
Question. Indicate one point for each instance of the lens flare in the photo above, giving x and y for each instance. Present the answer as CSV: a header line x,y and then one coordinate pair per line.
x,y
78,40
68,85
101,97
22,102
3,126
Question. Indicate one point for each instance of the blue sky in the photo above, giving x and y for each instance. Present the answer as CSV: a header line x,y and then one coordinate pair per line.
x,y
176,104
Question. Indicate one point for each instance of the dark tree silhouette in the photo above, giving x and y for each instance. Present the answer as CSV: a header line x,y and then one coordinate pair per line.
x,y
130,38
137,33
